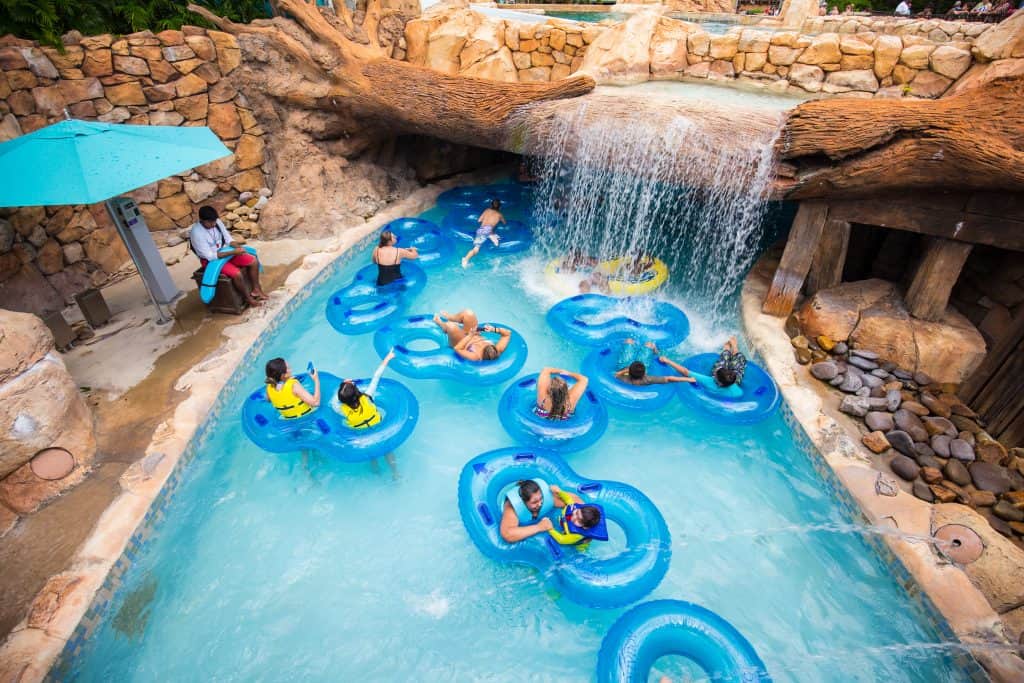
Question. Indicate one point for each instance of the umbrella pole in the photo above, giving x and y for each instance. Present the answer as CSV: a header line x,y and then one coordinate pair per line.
x,y
161,318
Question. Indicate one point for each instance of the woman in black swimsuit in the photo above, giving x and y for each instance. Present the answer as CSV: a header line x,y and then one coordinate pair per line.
x,y
388,258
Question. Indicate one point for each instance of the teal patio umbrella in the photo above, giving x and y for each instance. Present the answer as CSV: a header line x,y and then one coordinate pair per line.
x,y
84,162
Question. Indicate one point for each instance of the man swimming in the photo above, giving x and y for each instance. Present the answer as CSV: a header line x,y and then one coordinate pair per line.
x,y
488,221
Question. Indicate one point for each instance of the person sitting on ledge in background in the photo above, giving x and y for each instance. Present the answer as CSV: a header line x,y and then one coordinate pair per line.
x,y
523,175
465,338
286,393
210,241
635,358
488,221
903,9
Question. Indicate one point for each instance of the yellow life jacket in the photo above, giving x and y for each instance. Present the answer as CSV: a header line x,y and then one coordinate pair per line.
x,y
365,415
285,400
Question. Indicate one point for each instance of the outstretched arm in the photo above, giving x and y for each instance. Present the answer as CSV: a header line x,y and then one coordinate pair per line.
x,y
678,368
410,253
372,389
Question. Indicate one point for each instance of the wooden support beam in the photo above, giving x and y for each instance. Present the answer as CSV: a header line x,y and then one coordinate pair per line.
x,y
796,258
830,257
935,276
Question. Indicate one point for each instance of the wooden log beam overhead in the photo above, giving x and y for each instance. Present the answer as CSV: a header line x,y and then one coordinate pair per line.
x,y
796,259
936,274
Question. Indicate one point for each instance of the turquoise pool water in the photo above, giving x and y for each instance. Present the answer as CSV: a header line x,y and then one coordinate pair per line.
x,y
268,568
589,16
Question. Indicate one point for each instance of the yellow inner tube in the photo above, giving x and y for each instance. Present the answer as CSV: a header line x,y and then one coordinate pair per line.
x,y
619,281
644,282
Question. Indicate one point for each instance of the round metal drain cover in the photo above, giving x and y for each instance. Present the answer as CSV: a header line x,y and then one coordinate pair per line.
x,y
52,463
959,543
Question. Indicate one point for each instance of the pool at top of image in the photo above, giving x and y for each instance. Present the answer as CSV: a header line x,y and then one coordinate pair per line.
x,y
280,567
599,15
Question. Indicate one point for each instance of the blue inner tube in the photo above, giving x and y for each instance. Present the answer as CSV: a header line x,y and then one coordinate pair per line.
x,y
673,627
325,429
583,577
513,237
598,320
516,412
409,335
759,401
600,367
435,246
361,306
479,197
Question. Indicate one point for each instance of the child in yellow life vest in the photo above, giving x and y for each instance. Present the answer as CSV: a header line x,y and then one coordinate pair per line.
x,y
579,523
360,411
286,393
357,406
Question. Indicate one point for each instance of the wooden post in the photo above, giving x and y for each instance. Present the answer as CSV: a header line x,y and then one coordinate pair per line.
x,y
829,258
796,259
935,276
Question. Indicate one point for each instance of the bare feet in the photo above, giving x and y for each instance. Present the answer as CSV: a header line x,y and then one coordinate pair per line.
x,y
465,262
254,302
260,294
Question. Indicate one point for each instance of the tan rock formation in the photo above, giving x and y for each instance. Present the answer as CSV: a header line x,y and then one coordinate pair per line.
x,y
622,54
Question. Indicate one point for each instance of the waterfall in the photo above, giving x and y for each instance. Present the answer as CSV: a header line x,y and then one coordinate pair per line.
x,y
634,178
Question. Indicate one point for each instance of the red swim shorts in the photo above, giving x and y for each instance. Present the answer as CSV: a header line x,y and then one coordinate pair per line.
x,y
233,267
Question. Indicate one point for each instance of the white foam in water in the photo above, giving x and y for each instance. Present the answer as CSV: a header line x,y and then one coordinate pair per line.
x,y
670,188
434,605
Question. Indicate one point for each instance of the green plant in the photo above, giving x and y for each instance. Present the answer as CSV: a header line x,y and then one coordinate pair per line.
x,y
47,20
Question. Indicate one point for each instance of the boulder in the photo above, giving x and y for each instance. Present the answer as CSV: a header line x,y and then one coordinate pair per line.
x,y
916,56
668,47
622,54
929,85
809,78
834,312
24,340
39,408
879,421
905,468
824,48
723,46
902,442
825,370
861,80
989,477
949,61
876,441
855,405
1002,41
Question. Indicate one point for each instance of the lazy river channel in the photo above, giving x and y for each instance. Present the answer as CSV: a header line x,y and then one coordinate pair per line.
x,y
265,567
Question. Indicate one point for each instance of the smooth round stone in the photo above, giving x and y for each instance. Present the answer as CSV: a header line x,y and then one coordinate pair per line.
x,y
1004,510
922,379
923,450
983,499
864,353
862,363
863,391
961,450
923,491
901,441
989,477
966,436
880,373
902,374
939,425
851,384
803,356
915,407
935,405
893,398
854,405
905,468
837,380
931,475
930,461
878,392
840,349
965,424
957,473
854,370
940,444
879,422
888,366
911,424
825,371
871,381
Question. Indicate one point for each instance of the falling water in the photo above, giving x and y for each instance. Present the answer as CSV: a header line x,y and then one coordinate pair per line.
x,y
657,181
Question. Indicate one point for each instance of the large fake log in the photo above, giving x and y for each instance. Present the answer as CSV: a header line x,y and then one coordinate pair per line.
x,y
970,141
344,69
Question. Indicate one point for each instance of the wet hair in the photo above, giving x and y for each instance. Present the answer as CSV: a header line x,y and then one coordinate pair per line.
x,y
495,204
207,213
558,392
276,368
349,394
386,239
591,515
637,370
490,352
528,488
725,377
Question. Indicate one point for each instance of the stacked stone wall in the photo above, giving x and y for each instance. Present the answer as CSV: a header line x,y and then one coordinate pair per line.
x,y
172,78
653,47
935,30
